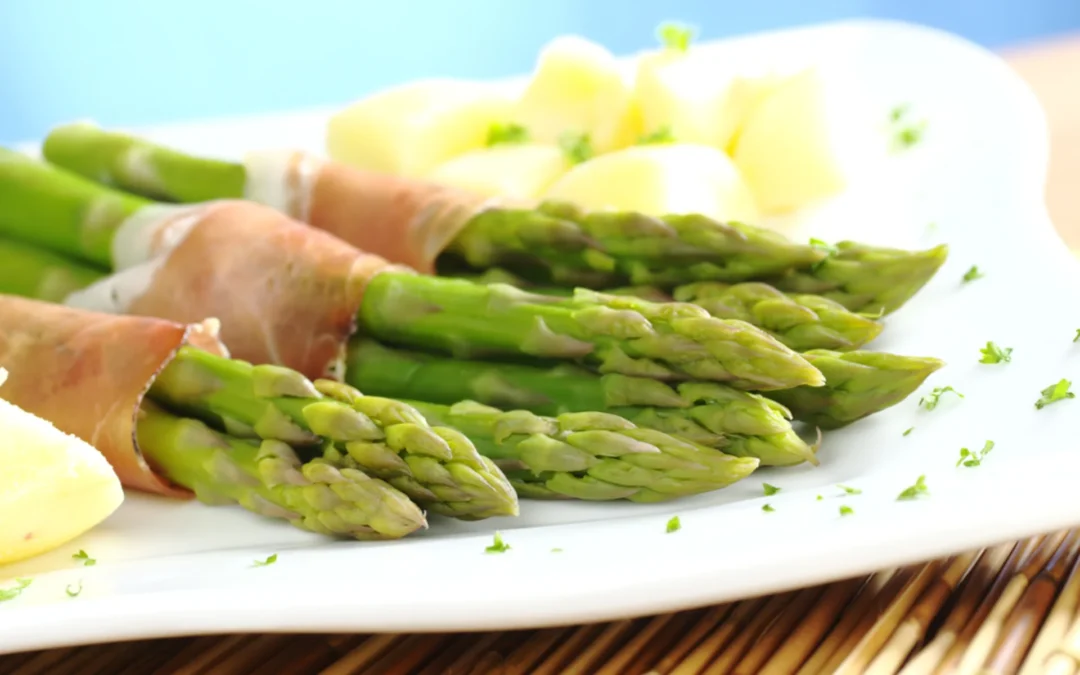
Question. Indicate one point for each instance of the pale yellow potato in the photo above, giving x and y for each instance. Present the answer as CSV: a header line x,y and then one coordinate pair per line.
x,y
521,171
789,151
411,129
660,180
697,100
53,487
577,87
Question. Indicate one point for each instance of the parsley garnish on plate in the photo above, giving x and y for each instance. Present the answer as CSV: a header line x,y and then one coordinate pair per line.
x,y
770,490
507,133
73,590
661,136
991,353
819,498
898,112
556,550
676,36
915,491
15,591
969,458
1054,393
498,545
931,400
85,559
846,511
908,133
907,432
673,525
263,563
767,508
850,490
1077,337
576,146
973,274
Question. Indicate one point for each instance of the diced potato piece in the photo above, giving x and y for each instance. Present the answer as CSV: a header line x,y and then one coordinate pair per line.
x,y
577,87
518,171
789,150
659,180
697,100
411,129
53,487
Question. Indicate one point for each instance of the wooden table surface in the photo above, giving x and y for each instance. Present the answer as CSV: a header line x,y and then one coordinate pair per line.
x,y
1052,69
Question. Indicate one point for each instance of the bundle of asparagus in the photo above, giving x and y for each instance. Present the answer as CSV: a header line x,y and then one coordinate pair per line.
x,y
413,223
296,294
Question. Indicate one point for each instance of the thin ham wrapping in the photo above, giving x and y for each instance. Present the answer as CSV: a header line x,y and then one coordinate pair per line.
x,y
87,373
285,293
402,219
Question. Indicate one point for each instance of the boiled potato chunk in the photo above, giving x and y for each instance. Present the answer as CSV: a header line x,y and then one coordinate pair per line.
x,y
411,129
577,87
697,100
53,487
516,171
659,180
789,150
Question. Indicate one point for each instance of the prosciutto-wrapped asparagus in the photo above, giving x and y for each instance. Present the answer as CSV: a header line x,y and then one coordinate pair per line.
x,y
292,295
174,415
413,222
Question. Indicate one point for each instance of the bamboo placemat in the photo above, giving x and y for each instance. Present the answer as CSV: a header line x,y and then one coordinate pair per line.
x,y
1009,609
1013,608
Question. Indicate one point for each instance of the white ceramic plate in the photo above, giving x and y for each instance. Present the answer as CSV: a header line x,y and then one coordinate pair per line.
x,y
166,568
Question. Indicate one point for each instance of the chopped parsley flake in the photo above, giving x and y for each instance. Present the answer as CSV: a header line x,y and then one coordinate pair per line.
x,y
907,432
576,146
673,525
556,550
498,545
991,353
819,498
1077,337
14,592
767,508
931,400
506,134
85,559
73,590
897,113
661,136
770,490
973,274
269,561
846,511
915,491
676,36
850,490
969,458
1054,393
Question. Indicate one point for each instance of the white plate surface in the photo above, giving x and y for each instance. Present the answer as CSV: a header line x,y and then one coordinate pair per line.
x,y
167,568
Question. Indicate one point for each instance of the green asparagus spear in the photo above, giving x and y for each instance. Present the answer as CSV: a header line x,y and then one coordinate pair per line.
x,y
269,479
858,384
737,422
613,334
435,467
572,246
865,278
802,322
591,456
669,340
32,272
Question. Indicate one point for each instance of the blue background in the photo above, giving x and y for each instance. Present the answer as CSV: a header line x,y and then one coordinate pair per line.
x,y
132,62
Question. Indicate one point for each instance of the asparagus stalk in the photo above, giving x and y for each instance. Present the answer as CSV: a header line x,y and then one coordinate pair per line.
x,y
737,422
436,467
269,478
858,384
572,246
664,341
865,278
32,272
590,456
800,321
